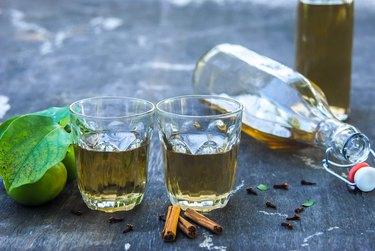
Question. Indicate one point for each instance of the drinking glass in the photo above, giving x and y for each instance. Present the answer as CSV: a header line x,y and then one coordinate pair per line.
x,y
111,140
200,137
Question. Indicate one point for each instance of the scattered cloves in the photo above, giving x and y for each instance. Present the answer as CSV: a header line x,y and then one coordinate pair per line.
x,y
251,190
129,227
115,220
294,217
287,225
307,183
284,186
270,205
299,210
76,212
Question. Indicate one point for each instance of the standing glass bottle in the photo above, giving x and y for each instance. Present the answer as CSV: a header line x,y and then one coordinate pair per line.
x,y
324,49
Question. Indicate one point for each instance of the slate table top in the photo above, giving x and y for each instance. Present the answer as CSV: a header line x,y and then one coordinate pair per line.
x,y
55,52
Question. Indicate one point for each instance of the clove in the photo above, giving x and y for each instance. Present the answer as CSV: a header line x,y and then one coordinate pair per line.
x,y
129,227
115,220
299,210
76,212
307,183
294,217
284,186
251,190
270,205
287,225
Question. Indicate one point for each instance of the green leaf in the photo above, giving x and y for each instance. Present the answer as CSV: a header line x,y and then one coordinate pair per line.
x,y
56,113
262,187
29,147
6,124
308,203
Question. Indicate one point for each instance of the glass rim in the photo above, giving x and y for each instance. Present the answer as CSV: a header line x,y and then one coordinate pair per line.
x,y
223,115
149,111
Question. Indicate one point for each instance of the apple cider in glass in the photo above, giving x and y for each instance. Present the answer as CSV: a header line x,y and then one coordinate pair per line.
x,y
112,177
111,136
200,144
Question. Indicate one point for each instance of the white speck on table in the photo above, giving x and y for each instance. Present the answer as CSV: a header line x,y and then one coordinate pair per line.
x,y
4,106
106,23
209,245
127,246
237,188
309,162
272,214
306,240
167,66
332,228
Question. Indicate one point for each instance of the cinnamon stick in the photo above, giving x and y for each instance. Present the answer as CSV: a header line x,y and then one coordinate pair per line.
x,y
189,229
203,221
170,227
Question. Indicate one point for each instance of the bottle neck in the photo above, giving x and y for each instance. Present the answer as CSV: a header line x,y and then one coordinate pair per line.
x,y
347,142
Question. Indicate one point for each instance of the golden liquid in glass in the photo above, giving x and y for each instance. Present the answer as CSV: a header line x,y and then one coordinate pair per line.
x,y
324,50
203,182
112,181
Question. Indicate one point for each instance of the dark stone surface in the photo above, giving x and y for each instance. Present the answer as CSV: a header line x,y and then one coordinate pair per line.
x,y
55,52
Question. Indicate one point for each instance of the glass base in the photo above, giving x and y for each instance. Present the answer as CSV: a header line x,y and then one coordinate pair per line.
x,y
340,112
201,204
112,203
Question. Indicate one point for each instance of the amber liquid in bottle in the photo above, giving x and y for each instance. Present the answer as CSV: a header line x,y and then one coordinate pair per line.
x,y
324,49
281,107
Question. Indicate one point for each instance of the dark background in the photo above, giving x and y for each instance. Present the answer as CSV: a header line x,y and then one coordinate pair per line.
x,y
55,52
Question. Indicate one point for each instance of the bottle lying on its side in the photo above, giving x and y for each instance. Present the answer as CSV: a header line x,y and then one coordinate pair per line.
x,y
282,108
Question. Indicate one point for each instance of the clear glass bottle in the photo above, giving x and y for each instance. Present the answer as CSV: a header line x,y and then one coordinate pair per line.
x,y
282,108
324,38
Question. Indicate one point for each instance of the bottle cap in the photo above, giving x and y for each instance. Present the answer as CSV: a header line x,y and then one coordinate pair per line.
x,y
365,179
354,169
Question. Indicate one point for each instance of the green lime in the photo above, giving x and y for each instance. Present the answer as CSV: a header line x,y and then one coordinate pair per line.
x,y
70,164
42,191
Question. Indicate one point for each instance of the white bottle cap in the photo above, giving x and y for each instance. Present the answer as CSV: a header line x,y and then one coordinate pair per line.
x,y
365,179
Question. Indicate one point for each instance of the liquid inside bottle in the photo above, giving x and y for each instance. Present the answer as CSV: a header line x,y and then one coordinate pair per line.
x,y
324,49
281,107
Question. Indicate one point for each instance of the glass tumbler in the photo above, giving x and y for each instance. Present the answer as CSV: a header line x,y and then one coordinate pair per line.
x,y
111,141
200,137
